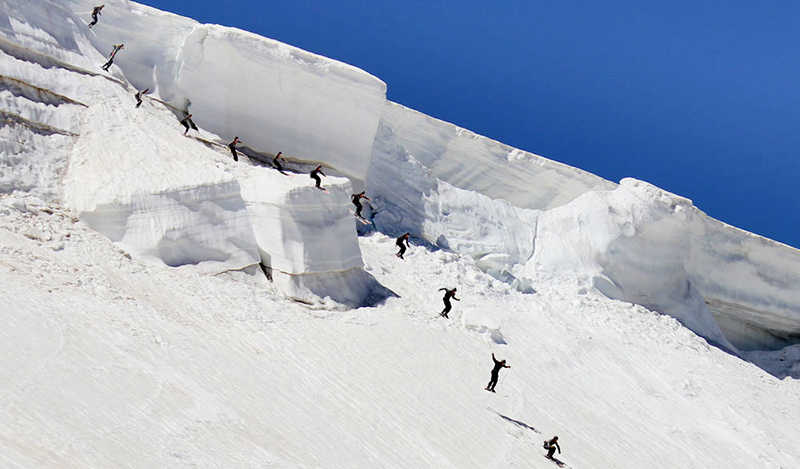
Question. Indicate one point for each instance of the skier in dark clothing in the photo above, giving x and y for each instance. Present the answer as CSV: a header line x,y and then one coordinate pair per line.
x,y
400,244
95,14
356,199
315,175
551,446
277,162
187,122
447,295
232,147
495,372
139,95
117,48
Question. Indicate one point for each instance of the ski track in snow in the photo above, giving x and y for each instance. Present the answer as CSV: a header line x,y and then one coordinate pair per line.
x,y
175,367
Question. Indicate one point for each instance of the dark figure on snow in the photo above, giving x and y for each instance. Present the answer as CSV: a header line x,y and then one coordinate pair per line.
x,y
95,14
551,445
402,246
315,175
139,95
277,162
495,372
188,123
447,295
116,49
232,147
356,198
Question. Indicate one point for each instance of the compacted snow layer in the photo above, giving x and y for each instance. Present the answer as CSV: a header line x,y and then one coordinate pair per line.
x,y
109,362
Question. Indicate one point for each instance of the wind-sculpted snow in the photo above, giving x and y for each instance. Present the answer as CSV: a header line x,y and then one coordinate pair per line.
x,y
275,97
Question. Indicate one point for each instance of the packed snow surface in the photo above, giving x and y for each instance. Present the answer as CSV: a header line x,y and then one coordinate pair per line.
x,y
165,306
111,362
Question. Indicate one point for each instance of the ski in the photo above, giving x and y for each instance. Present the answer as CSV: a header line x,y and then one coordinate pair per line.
x,y
555,461
360,218
89,28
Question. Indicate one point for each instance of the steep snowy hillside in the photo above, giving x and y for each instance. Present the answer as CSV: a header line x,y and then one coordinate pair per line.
x,y
167,306
523,216
109,362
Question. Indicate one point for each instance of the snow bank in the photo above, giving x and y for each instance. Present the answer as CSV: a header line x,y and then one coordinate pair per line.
x,y
464,192
307,238
476,163
407,197
641,244
750,283
171,199
480,322
272,95
135,178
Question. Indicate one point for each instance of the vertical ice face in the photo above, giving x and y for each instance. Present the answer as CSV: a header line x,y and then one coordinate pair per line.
x,y
273,96
750,283
472,162
409,198
301,229
632,244
644,245
307,238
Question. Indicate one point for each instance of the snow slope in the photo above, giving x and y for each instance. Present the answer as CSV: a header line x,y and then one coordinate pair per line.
x,y
111,362
165,306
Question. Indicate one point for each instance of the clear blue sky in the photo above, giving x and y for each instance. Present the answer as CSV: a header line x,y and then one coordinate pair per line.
x,y
698,98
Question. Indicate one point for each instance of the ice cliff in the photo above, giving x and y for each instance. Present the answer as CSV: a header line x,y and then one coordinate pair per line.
x,y
71,132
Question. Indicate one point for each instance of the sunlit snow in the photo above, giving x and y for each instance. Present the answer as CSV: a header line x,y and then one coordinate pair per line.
x,y
165,306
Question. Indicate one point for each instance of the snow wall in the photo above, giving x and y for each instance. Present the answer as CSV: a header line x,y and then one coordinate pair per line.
x,y
273,96
307,239
70,130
